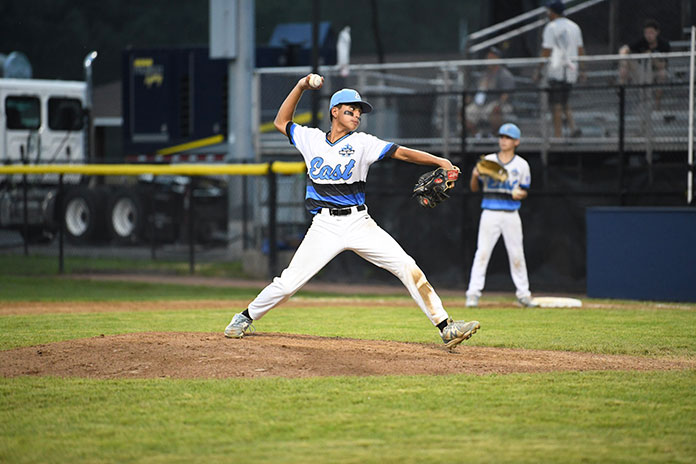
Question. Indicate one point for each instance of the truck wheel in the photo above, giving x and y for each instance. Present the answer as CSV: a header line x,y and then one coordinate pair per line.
x,y
81,215
126,217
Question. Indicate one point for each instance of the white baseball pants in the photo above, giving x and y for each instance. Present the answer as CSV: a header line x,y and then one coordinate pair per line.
x,y
330,235
493,225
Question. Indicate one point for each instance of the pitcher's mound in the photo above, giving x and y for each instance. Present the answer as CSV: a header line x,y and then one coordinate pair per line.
x,y
211,355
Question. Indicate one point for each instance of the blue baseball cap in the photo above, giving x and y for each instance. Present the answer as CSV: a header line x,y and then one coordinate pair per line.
x,y
556,6
349,96
510,130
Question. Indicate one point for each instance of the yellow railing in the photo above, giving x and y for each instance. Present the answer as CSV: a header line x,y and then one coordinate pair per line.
x,y
183,169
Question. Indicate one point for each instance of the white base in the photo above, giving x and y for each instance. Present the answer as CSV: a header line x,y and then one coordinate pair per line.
x,y
557,302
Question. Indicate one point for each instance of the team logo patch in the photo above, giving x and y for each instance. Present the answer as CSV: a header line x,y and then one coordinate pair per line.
x,y
346,151
515,172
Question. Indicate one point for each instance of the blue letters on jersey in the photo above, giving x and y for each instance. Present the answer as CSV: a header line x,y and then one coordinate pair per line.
x,y
319,170
336,171
508,185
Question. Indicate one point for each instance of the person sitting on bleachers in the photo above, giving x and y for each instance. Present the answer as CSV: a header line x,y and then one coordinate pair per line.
x,y
652,71
490,105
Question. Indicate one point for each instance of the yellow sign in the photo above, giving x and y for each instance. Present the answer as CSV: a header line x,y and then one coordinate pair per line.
x,y
143,62
152,79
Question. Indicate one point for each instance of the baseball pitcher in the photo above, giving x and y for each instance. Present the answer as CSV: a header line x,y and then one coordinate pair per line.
x,y
337,165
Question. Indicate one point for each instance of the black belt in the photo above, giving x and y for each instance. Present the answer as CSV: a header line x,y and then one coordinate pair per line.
x,y
345,211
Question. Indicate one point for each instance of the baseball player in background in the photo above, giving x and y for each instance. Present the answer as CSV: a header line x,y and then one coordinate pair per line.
x,y
337,166
500,204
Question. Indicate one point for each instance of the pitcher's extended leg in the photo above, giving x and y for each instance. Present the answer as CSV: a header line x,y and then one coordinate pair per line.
x,y
320,245
378,247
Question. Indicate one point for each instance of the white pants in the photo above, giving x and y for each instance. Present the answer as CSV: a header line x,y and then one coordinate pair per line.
x,y
330,235
493,224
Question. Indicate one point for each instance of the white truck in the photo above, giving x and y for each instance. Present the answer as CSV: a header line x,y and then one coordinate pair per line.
x,y
44,121
41,121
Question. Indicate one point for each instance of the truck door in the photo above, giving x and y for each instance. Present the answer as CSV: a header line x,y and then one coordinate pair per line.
x,y
63,139
22,124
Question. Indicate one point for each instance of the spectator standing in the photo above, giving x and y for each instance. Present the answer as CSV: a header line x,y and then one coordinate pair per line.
x,y
562,44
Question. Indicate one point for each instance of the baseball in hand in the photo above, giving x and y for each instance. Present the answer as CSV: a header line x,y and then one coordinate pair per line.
x,y
517,193
315,81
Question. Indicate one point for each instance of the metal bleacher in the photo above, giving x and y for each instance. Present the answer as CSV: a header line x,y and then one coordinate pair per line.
x,y
419,104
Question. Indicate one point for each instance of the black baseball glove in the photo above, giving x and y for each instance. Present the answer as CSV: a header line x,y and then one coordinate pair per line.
x,y
431,188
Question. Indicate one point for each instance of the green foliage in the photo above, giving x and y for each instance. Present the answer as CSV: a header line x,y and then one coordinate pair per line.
x,y
56,35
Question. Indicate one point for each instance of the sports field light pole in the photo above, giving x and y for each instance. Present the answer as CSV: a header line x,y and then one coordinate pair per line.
x,y
232,35
690,174
89,116
315,59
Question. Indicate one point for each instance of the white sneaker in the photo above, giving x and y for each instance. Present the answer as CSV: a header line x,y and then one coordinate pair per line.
x,y
472,301
458,331
239,325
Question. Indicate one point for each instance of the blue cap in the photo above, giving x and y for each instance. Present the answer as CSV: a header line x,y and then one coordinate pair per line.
x,y
510,130
556,6
349,96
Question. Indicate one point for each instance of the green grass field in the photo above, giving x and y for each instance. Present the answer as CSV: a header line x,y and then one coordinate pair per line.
x,y
552,417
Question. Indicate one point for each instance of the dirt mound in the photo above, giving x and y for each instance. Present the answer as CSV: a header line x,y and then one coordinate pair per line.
x,y
210,355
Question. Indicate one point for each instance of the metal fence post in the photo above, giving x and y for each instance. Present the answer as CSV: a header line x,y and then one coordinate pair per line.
x,y
272,233
245,213
191,227
61,224
463,115
25,219
622,134
445,112
153,226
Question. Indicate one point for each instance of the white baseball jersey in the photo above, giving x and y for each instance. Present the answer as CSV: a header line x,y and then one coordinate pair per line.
x,y
498,195
563,37
336,172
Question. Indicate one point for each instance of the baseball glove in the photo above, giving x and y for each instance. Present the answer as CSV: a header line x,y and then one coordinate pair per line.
x,y
431,188
491,169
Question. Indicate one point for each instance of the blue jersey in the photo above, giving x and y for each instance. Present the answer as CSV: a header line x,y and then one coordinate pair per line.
x,y
498,195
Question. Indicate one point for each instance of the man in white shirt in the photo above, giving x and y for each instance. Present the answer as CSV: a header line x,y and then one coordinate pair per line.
x,y
562,43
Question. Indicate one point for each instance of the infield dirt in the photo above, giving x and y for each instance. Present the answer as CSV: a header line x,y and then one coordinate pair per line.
x,y
211,355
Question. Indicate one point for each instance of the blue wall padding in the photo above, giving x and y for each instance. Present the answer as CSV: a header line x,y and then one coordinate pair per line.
x,y
641,253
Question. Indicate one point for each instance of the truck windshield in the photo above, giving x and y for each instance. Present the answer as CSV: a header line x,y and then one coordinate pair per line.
x,y
23,113
64,114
